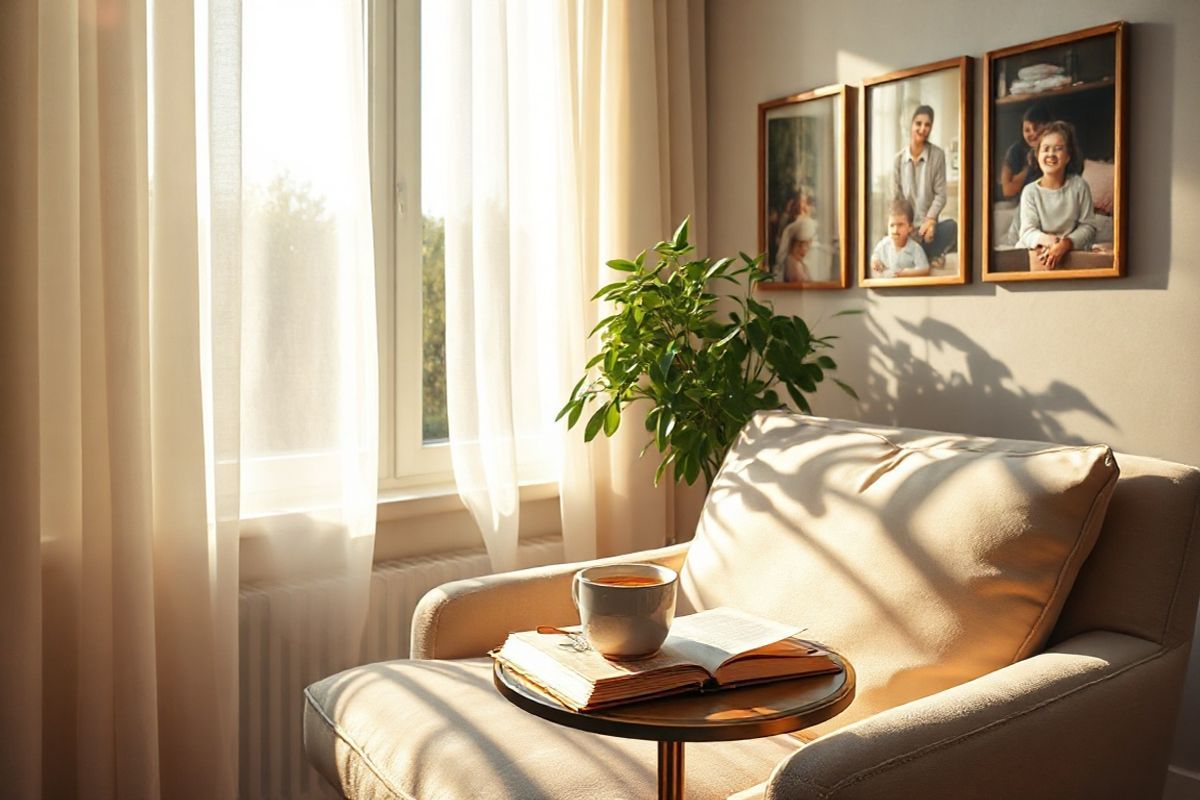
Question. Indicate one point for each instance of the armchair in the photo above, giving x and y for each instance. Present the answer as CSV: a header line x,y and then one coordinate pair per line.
x,y
1053,676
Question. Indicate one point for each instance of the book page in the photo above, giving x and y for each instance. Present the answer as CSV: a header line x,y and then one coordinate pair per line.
x,y
710,638
558,654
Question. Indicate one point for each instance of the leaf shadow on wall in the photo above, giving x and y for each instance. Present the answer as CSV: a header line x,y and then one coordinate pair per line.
x,y
983,398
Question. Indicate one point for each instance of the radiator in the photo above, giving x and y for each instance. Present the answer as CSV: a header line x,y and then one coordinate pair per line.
x,y
276,661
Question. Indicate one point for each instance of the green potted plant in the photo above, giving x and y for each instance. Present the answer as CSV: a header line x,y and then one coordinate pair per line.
x,y
704,378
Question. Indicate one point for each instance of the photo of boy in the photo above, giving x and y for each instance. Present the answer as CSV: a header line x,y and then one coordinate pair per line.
x,y
1057,212
898,255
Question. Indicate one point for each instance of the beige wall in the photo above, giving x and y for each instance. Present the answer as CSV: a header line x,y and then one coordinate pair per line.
x,y
1113,361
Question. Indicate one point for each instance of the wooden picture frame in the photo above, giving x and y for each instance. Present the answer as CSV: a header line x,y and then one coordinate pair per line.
x,y
937,180
803,196
888,124
1080,79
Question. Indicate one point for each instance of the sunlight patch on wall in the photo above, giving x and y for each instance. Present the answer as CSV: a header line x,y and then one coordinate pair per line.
x,y
852,67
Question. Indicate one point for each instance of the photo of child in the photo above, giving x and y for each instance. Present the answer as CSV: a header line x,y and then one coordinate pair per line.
x,y
1057,212
795,244
897,255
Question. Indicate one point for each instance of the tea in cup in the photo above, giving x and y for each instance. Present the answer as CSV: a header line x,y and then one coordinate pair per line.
x,y
626,609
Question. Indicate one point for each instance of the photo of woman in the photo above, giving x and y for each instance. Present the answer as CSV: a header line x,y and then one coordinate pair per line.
x,y
916,175
919,177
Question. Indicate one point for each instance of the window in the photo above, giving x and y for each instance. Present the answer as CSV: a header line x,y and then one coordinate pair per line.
x,y
409,186
409,250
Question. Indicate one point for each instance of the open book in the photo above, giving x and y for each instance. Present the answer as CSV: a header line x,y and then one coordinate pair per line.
x,y
718,648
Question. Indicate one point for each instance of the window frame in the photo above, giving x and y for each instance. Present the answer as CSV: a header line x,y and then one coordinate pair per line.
x,y
394,68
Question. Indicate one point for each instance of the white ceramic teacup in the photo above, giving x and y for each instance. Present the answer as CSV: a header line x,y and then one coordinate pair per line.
x,y
626,609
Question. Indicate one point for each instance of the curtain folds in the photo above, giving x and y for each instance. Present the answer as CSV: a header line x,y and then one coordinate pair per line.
x,y
188,339
576,137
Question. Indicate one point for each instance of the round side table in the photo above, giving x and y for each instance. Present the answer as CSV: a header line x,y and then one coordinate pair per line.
x,y
748,712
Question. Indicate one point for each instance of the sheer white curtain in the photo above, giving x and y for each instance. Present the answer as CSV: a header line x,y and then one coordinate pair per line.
x,y
574,138
188,341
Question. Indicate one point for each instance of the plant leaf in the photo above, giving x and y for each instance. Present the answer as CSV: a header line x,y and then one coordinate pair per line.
x,y
757,336
595,422
716,267
573,417
847,389
608,287
724,340
662,434
602,323
612,419
798,398
681,234
662,466
622,265
578,386
664,363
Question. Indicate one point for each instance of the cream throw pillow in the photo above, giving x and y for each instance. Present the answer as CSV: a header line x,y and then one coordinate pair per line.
x,y
928,559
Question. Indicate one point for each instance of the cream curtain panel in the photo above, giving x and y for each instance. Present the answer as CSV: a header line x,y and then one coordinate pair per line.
x,y
575,136
187,345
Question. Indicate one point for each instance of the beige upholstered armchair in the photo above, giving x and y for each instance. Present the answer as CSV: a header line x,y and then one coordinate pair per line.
x,y
1019,617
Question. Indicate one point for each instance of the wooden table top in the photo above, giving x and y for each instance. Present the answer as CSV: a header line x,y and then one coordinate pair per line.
x,y
747,712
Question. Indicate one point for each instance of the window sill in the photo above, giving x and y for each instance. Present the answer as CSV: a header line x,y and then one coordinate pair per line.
x,y
432,519
441,498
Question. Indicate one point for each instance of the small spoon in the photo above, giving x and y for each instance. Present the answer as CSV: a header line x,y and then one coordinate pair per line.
x,y
552,629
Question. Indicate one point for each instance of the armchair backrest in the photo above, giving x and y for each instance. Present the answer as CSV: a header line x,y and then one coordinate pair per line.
x,y
927,558
931,559
1143,576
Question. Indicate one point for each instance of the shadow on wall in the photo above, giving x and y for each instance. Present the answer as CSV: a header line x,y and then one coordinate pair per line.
x,y
983,399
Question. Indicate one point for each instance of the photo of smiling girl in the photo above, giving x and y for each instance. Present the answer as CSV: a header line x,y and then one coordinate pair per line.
x,y
1057,213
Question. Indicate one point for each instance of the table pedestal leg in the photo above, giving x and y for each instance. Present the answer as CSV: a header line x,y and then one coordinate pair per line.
x,y
670,771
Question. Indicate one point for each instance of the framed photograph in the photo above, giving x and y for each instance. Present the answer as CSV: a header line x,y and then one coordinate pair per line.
x,y
803,204
1055,162
915,205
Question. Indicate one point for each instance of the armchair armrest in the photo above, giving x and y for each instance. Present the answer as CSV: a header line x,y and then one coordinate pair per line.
x,y
467,618
1083,719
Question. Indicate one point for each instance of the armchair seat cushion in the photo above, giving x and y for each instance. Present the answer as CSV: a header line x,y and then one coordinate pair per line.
x,y
439,729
